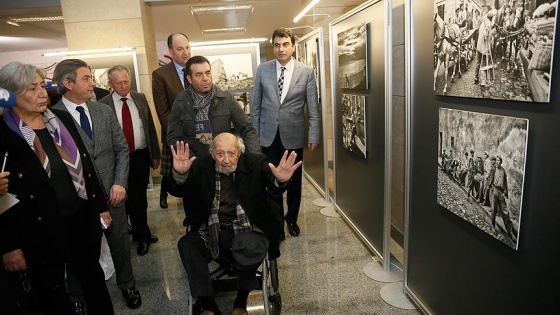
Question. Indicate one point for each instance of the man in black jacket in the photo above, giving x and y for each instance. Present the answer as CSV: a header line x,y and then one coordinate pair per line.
x,y
228,198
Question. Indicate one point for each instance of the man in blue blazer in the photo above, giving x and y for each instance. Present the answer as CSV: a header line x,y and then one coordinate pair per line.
x,y
283,88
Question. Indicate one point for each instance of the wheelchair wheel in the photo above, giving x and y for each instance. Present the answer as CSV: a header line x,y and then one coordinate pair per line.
x,y
274,274
275,304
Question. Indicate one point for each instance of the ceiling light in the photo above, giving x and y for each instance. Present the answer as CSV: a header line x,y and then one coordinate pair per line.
x,y
307,8
221,8
12,23
90,51
230,41
38,19
225,29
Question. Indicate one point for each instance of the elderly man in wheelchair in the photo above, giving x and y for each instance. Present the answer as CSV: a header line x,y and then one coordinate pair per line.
x,y
230,216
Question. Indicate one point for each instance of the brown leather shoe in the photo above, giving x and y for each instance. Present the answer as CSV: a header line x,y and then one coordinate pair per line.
x,y
239,311
206,313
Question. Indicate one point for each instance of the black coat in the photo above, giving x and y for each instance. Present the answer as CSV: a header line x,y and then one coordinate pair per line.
x,y
34,224
252,179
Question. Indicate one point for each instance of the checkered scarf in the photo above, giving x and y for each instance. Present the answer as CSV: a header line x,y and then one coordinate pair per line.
x,y
242,223
201,104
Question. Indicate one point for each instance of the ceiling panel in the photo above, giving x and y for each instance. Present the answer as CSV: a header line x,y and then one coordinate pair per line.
x,y
168,17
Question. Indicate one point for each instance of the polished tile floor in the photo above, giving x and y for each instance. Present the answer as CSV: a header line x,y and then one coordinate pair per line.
x,y
320,271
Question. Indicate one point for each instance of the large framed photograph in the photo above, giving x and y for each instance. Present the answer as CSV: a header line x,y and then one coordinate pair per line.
x,y
499,50
233,66
101,63
352,58
481,169
354,124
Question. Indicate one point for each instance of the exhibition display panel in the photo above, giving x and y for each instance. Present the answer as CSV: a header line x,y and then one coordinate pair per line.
x,y
359,98
482,220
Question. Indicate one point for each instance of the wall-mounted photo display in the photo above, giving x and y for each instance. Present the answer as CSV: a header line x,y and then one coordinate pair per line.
x,y
300,51
481,169
499,50
233,66
354,123
232,72
101,63
243,99
352,58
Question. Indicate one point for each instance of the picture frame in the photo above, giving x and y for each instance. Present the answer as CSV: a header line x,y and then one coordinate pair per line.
x,y
353,57
501,50
470,183
233,66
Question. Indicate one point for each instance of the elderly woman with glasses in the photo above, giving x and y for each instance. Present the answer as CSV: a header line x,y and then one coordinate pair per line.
x,y
61,202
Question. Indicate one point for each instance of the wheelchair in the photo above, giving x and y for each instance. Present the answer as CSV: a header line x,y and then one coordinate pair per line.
x,y
224,280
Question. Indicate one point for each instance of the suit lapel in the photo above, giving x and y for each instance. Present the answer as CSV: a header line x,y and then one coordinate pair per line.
x,y
87,141
175,76
295,77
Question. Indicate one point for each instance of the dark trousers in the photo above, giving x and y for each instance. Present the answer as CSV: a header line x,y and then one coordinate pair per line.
x,y
137,202
46,282
273,154
83,258
196,257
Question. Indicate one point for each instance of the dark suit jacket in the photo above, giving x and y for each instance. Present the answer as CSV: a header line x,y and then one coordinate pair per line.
x,y
146,117
224,111
252,179
34,224
108,148
166,84
100,92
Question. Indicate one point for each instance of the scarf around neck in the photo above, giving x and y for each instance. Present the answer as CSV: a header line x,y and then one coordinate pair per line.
x,y
63,141
201,105
242,223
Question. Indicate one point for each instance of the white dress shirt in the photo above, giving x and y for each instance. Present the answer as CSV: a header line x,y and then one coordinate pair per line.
x,y
71,108
287,76
139,135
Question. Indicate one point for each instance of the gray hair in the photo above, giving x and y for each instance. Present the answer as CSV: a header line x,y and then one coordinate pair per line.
x,y
240,144
17,76
67,70
117,68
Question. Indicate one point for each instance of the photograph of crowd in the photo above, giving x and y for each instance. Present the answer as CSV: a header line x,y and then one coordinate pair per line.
x,y
354,123
352,58
481,169
494,49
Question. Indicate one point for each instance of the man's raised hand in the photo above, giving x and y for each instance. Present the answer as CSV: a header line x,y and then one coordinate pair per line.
x,y
181,161
286,167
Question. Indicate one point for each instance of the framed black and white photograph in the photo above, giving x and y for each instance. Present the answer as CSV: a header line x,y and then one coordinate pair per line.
x,y
101,63
481,169
354,123
300,51
243,99
308,53
498,49
233,66
352,58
